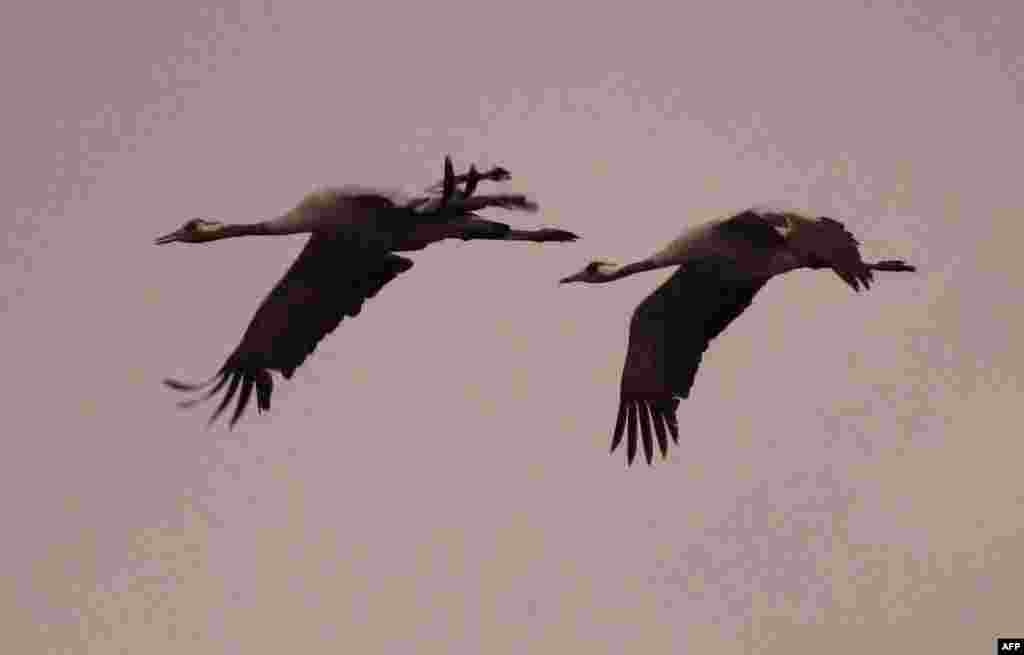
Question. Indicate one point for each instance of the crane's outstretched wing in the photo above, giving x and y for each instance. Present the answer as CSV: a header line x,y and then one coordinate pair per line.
x,y
330,280
668,334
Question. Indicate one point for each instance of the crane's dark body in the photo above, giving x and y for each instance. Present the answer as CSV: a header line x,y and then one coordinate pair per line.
x,y
342,266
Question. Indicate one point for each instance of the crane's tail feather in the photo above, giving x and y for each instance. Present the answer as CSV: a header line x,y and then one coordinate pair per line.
x,y
893,265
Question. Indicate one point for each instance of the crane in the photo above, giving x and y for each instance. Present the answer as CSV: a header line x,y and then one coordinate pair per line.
x,y
349,257
722,264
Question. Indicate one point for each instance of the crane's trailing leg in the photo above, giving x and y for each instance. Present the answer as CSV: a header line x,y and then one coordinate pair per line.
x,y
543,235
865,277
480,228
893,265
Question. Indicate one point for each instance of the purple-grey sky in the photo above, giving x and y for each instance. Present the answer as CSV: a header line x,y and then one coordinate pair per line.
x,y
436,477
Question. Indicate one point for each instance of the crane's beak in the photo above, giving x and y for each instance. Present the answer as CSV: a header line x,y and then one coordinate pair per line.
x,y
169,238
578,277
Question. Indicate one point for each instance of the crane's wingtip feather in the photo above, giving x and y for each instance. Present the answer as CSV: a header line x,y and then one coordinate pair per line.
x,y
178,385
243,399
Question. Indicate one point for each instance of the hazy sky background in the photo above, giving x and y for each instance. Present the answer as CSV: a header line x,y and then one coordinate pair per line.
x,y
436,477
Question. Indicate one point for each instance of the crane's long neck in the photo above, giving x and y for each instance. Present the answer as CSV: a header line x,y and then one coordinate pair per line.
x,y
631,269
296,221
230,230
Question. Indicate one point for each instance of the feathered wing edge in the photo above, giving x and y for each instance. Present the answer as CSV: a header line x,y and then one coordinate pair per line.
x,y
237,378
242,376
657,418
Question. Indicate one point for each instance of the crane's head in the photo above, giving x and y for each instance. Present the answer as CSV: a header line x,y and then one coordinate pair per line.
x,y
594,272
197,230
